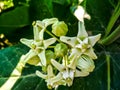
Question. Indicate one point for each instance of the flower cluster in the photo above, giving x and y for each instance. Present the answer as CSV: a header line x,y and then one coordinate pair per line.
x,y
72,56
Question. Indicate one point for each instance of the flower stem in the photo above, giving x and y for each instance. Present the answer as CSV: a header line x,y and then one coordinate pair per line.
x,y
112,37
52,35
113,19
108,71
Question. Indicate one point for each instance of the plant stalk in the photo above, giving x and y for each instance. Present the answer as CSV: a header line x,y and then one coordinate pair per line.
x,y
112,37
113,19
108,71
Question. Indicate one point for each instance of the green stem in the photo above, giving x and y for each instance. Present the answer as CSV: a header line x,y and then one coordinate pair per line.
x,y
52,35
51,46
108,71
112,37
113,19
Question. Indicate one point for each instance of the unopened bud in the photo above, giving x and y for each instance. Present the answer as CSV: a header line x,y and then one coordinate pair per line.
x,y
60,49
59,28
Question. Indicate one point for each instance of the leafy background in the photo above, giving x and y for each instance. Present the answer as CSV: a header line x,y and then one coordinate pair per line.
x,y
16,22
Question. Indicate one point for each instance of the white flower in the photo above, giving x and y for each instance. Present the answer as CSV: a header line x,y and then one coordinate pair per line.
x,y
85,64
52,80
82,43
38,45
68,70
80,14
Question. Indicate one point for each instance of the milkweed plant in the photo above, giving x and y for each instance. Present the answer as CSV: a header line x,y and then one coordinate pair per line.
x,y
62,58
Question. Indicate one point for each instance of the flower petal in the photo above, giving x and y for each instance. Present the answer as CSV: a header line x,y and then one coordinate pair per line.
x,y
41,34
42,57
79,13
38,24
55,79
50,71
80,1
73,62
69,40
85,41
48,42
75,52
87,16
85,63
27,42
38,73
36,33
59,66
81,30
94,39
80,73
49,21
90,53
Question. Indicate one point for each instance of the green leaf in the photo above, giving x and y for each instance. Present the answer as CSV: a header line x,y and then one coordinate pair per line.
x,y
14,19
18,17
9,58
40,9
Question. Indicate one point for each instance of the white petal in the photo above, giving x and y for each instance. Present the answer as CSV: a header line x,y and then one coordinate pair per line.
x,y
49,21
71,72
55,79
69,40
65,74
59,66
80,73
87,16
38,73
85,63
73,62
90,53
48,42
75,52
39,24
41,34
50,71
79,13
81,30
79,46
27,42
80,1
85,41
94,39
36,33
42,57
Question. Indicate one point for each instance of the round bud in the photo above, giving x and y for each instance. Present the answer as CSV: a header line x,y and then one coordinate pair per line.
x,y
60,49
49,55
59,28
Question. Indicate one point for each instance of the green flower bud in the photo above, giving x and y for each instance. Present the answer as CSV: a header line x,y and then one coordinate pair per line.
x,y
49,55
60,49
59,28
